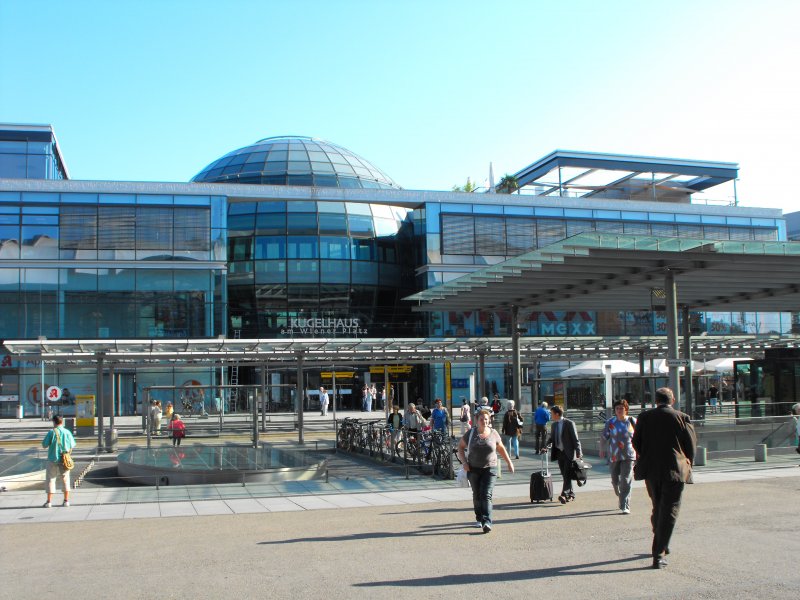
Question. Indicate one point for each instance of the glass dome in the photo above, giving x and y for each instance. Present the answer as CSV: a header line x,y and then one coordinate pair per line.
x,y
295,160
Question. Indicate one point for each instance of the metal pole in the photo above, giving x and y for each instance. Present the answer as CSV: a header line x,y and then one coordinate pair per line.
x,y
687,354
146,412
299,398
333,391
516,383
100,412
112,379
263,396
255,416
43,394
482,376
672,333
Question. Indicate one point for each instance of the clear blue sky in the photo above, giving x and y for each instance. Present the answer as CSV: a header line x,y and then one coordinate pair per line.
x,y
430,91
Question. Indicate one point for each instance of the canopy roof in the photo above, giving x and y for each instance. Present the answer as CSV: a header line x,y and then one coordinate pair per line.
x,y
377,351
594,271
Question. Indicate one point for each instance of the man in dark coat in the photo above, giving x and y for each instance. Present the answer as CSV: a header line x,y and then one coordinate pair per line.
x,y
665,442
564,447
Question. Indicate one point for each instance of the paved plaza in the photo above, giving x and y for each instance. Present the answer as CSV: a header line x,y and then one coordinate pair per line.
x,y
371,532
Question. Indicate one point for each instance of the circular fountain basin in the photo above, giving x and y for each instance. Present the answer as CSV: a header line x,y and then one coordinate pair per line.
x,y
22,471
201,464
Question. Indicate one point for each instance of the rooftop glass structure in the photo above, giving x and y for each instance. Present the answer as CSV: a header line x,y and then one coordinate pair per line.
x,y
296,160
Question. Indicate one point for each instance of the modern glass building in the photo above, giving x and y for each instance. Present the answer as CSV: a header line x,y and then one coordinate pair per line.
x,y
298,237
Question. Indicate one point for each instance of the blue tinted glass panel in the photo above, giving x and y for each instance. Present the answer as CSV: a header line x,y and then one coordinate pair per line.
x,y
664,217
270,247
354,208
548,211
486,209
302,247
361,226
79,198
523,210
365,272
9,197
331,207
78,280
607,214
153,280
270,271
763,222
332,223
40,219
363,249
738,221
192,200
192,280
9,219
270,223
713,219
456,208
335,271
39,197
334,248
272,207
578,213
303,223
241,208
154,199
243,223
302,271
634,215
684,218
117,199
39,210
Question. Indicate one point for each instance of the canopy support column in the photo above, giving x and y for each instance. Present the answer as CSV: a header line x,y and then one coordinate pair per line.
x,y
687,354
672,334
99,401
516,383
300,397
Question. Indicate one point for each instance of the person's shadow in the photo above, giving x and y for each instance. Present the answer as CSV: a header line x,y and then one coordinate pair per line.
x,y
594,568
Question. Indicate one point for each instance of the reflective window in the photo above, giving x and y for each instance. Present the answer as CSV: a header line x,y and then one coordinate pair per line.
x,y
302,271
116,227
270,271
78,229
363,249
332,224
270,224
361,226
334,248
39,242
303,223
364,272
334,271
154,228
240,248
270,247
302,247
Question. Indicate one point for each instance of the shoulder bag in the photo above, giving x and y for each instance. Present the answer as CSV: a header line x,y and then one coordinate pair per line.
x,y
66,458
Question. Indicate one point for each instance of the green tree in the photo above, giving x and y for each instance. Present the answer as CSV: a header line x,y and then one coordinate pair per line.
x,y
508,185
467,187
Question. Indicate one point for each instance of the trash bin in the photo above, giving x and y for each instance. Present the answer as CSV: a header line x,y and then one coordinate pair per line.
x,y
69,423
20,411
111,439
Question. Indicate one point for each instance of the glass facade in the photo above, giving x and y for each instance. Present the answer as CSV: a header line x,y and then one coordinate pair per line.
x,y
111,265
311,269
30,154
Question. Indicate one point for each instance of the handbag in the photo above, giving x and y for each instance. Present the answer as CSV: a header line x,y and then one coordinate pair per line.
x,y
66,458
579,470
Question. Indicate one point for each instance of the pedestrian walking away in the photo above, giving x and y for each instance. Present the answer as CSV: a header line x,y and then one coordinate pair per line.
x,y
512,427
665,441
465,420
618,432
58,442
540,420
564,448
477,451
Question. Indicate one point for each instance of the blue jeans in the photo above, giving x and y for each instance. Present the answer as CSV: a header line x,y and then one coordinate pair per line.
x,y
513,445
621,479
482,483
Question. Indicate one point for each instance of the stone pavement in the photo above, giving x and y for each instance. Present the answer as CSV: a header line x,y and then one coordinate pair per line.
x,y
736,538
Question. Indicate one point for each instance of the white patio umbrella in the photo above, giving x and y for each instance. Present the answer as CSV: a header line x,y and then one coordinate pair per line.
x,y
725,364
589,368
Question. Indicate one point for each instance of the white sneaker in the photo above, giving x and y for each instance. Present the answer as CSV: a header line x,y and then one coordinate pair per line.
x,y
487,527
478,525
626,511
66,503
48,505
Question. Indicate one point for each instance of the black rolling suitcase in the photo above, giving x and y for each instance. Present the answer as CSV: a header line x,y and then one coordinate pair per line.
x,y
542,482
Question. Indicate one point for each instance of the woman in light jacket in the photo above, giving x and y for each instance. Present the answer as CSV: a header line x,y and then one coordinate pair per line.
x,y
618,432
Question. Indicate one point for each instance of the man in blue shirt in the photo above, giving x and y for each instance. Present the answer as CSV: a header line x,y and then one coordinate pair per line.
x,y
540,419
439,417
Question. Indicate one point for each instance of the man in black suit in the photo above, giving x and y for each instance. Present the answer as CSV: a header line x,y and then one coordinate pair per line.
x,y
564,447
665,442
